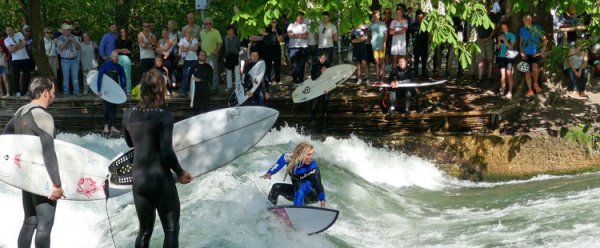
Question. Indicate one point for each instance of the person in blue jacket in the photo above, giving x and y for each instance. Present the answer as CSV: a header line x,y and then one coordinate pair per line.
x,y
306,187
114,70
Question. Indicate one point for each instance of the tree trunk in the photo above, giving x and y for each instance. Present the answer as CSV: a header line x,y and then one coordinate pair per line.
x,y
123,12
37,30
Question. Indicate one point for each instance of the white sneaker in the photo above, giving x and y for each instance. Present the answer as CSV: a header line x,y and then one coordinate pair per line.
x,y
508,96
359,81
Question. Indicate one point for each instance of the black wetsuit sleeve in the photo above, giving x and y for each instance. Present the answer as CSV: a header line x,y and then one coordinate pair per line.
x,y
10,127
315,179
166,145
45,130
126,133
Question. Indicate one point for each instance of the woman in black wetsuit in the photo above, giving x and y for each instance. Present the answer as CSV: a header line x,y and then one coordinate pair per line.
x,y
149,128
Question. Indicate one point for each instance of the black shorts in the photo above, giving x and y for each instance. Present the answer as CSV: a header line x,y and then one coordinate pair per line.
x,y
532,60
505,63
359,52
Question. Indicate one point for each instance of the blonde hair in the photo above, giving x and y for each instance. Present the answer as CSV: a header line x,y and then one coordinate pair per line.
x,y
298,156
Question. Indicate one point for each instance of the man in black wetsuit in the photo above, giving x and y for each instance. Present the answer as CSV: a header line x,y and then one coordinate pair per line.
x,y
202,77
400,73
149,128
32,119
317,69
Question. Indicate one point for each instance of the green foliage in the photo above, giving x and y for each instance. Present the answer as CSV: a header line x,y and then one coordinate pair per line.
x,y
582,134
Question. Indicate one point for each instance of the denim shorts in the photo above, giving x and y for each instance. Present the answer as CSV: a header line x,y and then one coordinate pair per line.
x,y
2,70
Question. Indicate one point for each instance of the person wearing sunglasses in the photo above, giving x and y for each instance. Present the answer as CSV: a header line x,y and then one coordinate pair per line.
x,y
211,42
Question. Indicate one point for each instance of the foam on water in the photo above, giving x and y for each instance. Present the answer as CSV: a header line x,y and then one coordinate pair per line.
x,y
385,198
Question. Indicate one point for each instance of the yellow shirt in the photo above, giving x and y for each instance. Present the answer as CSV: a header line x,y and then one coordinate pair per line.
x,y
210,40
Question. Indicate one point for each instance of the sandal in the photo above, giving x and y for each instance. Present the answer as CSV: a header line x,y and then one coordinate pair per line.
x,y
538,89
529,93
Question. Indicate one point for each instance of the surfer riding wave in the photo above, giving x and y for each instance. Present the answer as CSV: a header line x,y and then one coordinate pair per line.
x,y
306,187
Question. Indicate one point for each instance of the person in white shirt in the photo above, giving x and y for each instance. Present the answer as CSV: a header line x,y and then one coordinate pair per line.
x,y
15,43
298,33
188,52
398,29
326,36
50,48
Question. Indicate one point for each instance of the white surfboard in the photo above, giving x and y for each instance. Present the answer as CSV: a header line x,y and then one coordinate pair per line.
x,y
408,84
111,90
82,172
307,219
331,78
238,97
208,141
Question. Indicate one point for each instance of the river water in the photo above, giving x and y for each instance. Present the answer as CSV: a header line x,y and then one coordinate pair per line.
x,y
385,198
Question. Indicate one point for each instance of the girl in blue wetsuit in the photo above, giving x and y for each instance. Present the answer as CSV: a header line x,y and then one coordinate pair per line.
x,y
305,175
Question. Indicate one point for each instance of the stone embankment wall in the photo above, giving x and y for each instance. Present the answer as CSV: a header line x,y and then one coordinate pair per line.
x,y
493,158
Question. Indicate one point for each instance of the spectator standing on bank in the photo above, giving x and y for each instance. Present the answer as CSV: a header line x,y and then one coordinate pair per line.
x,y
420,46
232,59
298,33
164,49
211,43
88,58
77,31
506,41
147,43
326,35
3,72
50,48
124,46
485,41
379,32
359,53
69,46
191,26
15,44
398,29
108,42
188,47
272,35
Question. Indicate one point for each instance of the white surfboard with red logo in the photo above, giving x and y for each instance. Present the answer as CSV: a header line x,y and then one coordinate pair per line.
x,y
83,173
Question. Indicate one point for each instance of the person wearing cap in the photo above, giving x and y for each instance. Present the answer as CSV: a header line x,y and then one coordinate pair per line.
x,y
68,46
15,43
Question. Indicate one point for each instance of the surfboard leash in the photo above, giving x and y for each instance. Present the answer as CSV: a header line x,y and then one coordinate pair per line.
x,y
107,194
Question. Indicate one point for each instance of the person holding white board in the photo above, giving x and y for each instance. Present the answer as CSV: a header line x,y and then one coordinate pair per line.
x,y
148,127
32,119
114,70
